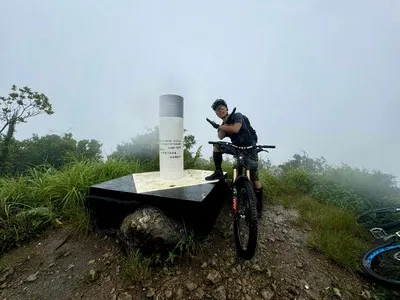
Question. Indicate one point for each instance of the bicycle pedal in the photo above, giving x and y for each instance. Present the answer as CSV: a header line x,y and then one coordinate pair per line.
x,y
378,233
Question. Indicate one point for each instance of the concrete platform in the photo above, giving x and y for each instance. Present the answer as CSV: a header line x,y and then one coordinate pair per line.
x,y
191,198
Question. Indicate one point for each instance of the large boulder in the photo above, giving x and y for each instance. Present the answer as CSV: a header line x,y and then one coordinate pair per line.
x,y
150,230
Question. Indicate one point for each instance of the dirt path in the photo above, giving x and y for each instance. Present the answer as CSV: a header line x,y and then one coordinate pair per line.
x,y
90,268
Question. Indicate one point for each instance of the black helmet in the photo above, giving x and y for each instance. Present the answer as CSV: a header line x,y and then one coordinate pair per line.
x,y
217,103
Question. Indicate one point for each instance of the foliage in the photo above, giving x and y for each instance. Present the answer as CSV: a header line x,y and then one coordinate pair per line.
x,y
355,189
298,180
334,232
343,186
188,141
273,186
52,150
304,162
21,104
145,148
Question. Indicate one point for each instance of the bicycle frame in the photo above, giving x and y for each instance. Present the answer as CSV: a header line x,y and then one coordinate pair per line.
x,y
239,154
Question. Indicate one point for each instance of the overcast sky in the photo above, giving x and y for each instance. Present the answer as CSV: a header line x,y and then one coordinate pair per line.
x,y
319,76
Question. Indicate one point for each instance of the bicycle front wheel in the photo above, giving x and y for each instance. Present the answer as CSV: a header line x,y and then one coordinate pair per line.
x,y
246,216
382,263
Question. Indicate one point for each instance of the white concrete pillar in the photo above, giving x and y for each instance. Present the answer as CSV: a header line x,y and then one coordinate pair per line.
x,y
171,133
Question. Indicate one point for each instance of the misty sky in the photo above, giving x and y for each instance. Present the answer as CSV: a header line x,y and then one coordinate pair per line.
x,y
319,76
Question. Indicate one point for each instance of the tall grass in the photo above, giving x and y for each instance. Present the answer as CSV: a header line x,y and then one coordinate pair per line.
x,y
44,197
335,232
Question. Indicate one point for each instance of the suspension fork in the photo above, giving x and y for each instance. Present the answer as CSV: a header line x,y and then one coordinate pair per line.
x,y
234,191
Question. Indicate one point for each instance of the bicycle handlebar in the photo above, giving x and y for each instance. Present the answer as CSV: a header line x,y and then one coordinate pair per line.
x,y
241,147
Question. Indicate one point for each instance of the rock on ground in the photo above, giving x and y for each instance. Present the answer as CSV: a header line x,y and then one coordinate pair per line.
x,y
149,228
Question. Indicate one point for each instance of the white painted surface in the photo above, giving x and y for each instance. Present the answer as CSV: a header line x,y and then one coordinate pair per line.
x,y
151,181
171,147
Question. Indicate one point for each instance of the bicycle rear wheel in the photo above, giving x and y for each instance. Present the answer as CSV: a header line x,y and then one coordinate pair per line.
x,y
382,263
246,215
384,218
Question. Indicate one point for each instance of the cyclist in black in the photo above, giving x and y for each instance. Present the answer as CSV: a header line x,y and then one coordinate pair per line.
x,y
240,134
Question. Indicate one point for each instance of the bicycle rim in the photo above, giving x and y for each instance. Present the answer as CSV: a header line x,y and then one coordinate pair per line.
x,y
382,263
384,218
246,215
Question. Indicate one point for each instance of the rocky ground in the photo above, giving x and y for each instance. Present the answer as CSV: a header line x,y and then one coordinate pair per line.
x,y
57,267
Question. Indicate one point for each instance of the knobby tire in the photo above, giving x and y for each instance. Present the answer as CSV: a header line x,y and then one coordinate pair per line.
x,y
260,208
368,260
246,251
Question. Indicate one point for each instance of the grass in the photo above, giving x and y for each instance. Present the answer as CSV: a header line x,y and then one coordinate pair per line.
x,y
136,268
335,232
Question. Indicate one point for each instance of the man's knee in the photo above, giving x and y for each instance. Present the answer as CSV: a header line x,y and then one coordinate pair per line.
x,y
257,184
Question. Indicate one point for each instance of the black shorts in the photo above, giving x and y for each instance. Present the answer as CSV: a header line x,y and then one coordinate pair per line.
x,y
250,160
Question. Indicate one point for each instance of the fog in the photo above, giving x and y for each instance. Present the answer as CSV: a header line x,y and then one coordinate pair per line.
x,y
310,75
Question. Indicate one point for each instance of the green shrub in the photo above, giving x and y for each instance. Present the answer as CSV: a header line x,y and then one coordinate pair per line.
x,y
298,180
335,231
273,187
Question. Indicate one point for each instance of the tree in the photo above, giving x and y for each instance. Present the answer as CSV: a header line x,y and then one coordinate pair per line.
x,y
188,141
52,149
141,147
189,160
306,163
20,105
145,148
89,149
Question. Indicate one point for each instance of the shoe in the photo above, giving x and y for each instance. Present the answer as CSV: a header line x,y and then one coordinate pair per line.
x,y
218,174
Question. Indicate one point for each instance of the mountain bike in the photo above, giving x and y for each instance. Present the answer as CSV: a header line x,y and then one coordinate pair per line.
x,y
382,262
244,201
386,218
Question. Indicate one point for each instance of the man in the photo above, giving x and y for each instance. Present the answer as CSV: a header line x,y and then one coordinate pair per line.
x,y
240,135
